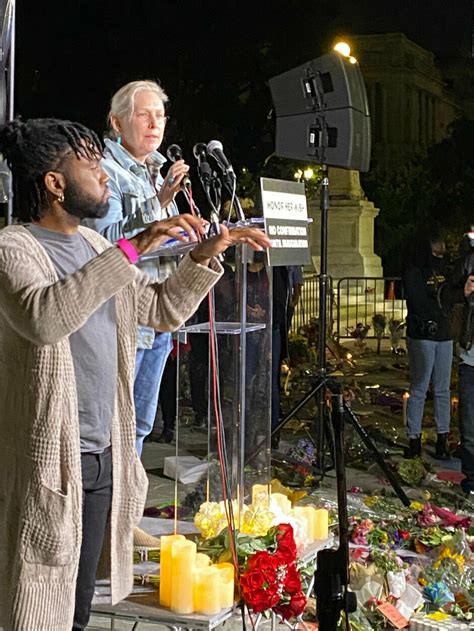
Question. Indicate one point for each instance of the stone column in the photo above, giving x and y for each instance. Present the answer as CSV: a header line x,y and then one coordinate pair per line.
x,y
350,228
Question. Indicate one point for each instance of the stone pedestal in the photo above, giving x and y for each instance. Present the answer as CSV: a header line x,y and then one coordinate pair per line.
x,y
350,228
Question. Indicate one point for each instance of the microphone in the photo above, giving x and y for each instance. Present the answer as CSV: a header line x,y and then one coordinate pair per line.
x,y
216,150
205,171
175,153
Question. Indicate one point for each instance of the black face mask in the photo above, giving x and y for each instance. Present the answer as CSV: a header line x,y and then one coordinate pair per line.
x,y
436,261
82,205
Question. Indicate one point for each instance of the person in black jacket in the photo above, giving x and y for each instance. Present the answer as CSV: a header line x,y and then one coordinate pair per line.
x,y
429,340
461,289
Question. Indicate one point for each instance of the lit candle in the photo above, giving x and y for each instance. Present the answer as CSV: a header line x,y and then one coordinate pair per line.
x,y
259,490
321,523
226,580
202,560
454,405
183,557
406,396
304,515
165,567
207,597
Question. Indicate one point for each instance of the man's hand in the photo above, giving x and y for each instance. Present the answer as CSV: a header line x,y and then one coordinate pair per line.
x,y
469,286
206,250
172,182
181,227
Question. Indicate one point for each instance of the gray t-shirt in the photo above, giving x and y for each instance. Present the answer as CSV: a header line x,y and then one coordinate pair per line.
x,y
93,346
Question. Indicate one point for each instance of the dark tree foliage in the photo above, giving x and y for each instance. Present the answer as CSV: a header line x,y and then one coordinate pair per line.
x,y
438,187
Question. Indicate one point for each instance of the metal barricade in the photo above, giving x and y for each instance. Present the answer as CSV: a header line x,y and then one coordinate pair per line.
x,y
308,305
358,299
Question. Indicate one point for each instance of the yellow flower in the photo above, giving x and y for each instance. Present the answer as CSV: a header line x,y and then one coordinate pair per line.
x,y
257,519
416,506
383,537
370,500
447,553
210,519
423,582
438,615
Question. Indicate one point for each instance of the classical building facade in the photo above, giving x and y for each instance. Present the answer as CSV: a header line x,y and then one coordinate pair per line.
x,y
413,98
411,103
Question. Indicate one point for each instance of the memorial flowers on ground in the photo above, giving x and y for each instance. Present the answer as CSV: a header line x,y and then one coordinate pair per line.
x,y
411,560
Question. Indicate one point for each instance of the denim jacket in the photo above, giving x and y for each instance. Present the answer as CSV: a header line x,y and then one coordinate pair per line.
x,y
133,204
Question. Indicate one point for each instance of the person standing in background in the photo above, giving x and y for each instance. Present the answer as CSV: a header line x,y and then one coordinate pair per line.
x,y
140,195
295,286
429,340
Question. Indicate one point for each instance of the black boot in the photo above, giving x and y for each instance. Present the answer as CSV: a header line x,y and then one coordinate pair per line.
x,y
275,440
166,436
442,450
414,448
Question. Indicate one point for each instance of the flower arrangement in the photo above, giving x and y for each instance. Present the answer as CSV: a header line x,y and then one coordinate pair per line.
x,y
269,574
271,579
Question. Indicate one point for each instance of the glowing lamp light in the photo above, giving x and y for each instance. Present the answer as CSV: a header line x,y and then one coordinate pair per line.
x,y
349,356
343,48
308,173
298,174
352,60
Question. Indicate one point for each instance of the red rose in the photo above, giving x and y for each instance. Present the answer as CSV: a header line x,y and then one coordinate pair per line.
x,y
260,599
282,530
257,600
253,579
286,542
262,560
294,608
266,563
297,604
404,534
292,580
288,550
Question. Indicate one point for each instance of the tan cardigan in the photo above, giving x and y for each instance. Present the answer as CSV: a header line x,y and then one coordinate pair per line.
x,y
40,471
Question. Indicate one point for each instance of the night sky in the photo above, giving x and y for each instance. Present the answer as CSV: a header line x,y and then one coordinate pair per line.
x,y
213,58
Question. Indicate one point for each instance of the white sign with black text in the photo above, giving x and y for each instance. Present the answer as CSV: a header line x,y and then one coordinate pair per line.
x,y
286,221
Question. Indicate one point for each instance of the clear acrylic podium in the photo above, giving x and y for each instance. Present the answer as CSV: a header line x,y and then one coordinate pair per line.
x,y
231,349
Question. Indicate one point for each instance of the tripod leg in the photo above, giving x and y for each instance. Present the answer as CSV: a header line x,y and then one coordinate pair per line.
x,y
332,573
296,408
377,456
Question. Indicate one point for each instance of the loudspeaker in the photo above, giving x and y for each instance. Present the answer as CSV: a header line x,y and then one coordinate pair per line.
x,y
322,113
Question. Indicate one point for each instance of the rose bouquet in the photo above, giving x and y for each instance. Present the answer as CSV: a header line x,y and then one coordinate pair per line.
x,y
271,580
269,576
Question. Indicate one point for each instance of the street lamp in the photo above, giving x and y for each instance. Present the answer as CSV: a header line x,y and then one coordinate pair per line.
x,y
343,48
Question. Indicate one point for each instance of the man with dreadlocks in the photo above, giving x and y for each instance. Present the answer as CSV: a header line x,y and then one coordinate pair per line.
x,y
71,484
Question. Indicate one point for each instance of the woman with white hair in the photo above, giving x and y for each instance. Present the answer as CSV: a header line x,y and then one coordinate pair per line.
x,y
140,195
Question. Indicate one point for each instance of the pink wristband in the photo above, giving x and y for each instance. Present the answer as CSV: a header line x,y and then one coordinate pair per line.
x,y
129,250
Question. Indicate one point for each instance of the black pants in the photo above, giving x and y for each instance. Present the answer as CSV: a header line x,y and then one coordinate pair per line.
x,y
198,374
167,397
466,424
96,502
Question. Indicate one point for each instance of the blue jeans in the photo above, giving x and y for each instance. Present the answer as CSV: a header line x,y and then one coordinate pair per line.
x,y
429,361
150,363
466,424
